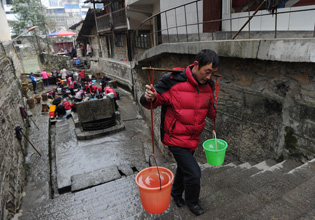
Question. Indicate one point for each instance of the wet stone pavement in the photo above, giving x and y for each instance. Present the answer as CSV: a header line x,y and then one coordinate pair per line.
x,y
95,179
89,179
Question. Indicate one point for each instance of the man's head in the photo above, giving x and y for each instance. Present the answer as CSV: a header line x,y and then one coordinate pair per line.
x,y
32,73
205,65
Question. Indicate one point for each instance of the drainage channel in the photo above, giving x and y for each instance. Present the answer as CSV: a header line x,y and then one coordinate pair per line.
x,y
52,161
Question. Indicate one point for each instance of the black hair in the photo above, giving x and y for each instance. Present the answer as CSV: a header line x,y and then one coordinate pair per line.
x,y
207,56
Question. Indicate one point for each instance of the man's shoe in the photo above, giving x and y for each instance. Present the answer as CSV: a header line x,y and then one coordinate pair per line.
x,y
179,201
196,209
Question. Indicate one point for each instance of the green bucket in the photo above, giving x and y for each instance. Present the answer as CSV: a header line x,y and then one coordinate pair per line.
x,y
215,155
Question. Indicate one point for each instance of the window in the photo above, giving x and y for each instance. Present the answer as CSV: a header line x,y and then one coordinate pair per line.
x,y
9,2
59,19
58,11
99,6
119,40
143,40
72,6
53,3
115,6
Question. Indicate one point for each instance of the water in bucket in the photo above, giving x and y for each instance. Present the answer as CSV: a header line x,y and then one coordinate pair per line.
x,y
215,151
155,199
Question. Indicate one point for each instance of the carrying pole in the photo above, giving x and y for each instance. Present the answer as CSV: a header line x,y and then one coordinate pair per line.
x,y
30,143
170,70
33,122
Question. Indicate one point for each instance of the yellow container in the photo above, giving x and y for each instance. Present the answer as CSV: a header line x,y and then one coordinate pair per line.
x,y
52,108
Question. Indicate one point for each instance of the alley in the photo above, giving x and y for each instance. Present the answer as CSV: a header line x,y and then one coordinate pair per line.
x,y
118,198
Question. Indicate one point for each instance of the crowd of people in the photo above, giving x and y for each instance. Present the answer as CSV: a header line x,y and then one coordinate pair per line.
x,y
74,88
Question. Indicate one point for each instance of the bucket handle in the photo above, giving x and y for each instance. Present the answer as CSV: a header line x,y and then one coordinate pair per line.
x,y
215,140
157,167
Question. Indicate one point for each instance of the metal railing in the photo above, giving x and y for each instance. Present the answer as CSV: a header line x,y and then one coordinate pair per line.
x,y
119,18
171,34
112,21
103,23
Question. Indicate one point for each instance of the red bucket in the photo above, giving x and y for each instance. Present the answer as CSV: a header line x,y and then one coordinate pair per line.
x,y
155,195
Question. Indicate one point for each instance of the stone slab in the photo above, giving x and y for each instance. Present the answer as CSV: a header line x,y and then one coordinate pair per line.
x,y
65,142
125,169
95,110
96,177
87,135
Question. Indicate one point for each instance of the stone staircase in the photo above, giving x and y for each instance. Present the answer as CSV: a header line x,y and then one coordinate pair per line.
x,y
267,190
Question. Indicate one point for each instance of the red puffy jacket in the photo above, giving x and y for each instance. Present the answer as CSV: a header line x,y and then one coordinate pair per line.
x,y
67,105
109,90
185,105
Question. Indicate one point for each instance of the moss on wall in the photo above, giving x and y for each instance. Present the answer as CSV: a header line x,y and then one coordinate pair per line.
x,y
289,138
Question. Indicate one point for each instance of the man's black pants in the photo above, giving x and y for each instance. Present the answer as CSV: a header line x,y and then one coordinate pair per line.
x,y
187,176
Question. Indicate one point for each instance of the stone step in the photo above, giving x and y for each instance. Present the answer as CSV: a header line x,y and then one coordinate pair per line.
x,y
71,202
275,187
232,191
233,202
228,203
230,176
308,215
280,184
306,170
93,178
125,207
291,205
266,176
237,177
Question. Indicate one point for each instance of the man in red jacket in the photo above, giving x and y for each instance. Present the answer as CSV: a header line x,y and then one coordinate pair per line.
x,y
187,98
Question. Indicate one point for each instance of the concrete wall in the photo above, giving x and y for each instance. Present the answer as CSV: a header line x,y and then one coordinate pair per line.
x,y
181,19
297,21
266,102
12,171
116,70
4,30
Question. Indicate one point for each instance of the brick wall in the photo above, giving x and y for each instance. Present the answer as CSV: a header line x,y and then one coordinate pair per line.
x,y
11,150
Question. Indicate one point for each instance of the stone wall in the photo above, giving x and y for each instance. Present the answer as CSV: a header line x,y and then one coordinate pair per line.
x,y
11,150
266,109
116,70
50,61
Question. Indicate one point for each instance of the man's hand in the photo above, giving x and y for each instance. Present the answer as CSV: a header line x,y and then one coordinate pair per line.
x,y
150,93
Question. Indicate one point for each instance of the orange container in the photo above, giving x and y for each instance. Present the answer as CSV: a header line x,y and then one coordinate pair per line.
x,y
51,114
52,108
155,199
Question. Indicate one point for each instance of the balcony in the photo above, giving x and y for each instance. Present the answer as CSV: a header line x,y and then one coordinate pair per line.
x,y
112,21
